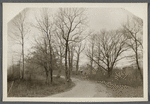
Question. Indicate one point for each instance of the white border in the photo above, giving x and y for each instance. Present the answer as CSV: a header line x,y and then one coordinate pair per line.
x,y
6,11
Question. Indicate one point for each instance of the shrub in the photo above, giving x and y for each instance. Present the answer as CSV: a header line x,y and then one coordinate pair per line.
x,y
13,73
120,77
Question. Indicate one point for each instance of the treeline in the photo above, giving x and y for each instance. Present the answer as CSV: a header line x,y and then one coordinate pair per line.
x,y
55,46
62,39
107,48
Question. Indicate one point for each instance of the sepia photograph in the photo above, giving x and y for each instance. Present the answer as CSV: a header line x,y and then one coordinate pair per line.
x,y
75,52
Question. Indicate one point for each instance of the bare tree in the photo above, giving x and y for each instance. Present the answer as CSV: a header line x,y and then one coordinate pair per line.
x,y
40,57
71,49
98,55
19,31
110,46
60,51
91,51
70,22
79,49
45,26
133,30
61,55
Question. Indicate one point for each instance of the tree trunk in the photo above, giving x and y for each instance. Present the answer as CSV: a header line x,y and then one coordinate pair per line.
x,y
59,70
140,70
109,72
137,61
51,75
47,77
138,67
22,58
66,67
69,60
91,67
50,61
99,58
77,68
77,64
92,59
20,68
98,67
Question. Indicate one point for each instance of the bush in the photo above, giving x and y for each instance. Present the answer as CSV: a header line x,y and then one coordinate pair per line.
x,y
13,73
37,87
120,77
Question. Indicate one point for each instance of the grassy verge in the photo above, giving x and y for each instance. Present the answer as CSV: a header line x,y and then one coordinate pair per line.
x,y
119,90
120,87
37,88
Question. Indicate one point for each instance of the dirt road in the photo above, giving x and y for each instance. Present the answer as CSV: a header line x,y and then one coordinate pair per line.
x,y
84,88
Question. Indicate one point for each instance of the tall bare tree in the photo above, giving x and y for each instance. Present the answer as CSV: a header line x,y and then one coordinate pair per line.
x,y
70,22
19,31
70,57
45,26
40,57
133,30
110,45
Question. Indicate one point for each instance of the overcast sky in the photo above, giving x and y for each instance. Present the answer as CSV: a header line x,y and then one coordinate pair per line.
x,y
13,9
102,17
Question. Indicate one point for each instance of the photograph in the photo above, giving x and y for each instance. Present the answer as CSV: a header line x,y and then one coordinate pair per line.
x,y
75,52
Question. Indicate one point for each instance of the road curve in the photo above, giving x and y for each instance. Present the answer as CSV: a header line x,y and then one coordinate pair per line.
x,y
84,88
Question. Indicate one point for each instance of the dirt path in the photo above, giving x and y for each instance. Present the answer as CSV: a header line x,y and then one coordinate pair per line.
x,y
84,88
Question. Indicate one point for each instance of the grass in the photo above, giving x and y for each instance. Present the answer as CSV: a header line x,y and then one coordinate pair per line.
x,y
119,77
119,90
121,85
37,87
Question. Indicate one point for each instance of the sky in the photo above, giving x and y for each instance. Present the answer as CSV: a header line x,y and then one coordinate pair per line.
x,y
137,9
101,16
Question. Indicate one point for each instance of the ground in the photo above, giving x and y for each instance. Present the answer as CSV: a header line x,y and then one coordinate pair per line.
x,y
123,90
37,87
81,87
87,88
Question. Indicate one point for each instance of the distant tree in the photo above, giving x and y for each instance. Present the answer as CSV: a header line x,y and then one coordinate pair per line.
x,y
90,51
133,30
97,55
78,51
60,51
19,31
